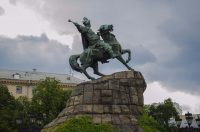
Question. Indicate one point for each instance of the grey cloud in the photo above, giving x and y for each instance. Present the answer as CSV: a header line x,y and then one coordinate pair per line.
x,y
162,35
2,11
77,47
197,108
183,30
28,52
13,2
141,55
64,32
186,107
33,39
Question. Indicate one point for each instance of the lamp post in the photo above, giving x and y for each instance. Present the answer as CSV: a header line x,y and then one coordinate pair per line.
x,y
189,120
19,120
32,119
178,122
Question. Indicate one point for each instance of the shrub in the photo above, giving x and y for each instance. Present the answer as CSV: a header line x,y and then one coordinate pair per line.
x,y
148,124
82,124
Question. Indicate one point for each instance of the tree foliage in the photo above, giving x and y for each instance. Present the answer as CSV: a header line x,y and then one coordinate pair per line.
x,y
8,110
148,124
82,124
23,109
162,113
49,99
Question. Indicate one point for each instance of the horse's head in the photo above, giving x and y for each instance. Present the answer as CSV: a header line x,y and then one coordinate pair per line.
x,y
106,28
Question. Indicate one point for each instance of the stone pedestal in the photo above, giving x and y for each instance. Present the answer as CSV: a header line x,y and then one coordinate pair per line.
x,y
113,99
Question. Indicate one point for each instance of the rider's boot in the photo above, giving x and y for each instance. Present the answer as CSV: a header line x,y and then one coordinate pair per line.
x,y
112,54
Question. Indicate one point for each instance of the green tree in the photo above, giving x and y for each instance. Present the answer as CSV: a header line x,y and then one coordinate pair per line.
x,y
8,110
23,109
162,114
49,99
148,124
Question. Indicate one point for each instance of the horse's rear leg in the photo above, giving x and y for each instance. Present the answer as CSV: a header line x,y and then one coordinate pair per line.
x,y
129,54
83,68
96,69
122,60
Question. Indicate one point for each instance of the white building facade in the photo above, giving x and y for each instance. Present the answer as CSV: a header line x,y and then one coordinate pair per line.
x,y
22,83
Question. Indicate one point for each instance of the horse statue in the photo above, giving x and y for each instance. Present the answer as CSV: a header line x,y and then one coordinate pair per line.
x,y
99,55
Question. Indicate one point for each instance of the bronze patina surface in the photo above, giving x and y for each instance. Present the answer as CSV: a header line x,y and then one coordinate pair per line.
x,y
97,50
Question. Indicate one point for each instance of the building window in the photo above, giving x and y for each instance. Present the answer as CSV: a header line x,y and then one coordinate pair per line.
x,y
4,86
16,76
68,78
33,90
19,89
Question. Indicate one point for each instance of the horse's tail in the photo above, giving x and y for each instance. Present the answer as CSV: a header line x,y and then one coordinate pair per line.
x,y
73,63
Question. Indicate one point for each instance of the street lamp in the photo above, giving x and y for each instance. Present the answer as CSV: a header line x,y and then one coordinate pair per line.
x,y
32,119
29,114
189,120
18,120
40,120
198,121
178,122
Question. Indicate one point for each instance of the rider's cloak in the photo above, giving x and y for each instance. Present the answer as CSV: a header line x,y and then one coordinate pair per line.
x,y
93,42
85,42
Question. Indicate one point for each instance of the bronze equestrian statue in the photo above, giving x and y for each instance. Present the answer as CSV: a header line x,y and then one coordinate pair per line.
x,y
97,50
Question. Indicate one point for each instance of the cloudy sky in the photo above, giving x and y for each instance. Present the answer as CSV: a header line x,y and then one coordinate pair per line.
x,y
164,37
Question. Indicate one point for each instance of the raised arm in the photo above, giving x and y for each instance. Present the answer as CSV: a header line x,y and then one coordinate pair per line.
x,y
80,28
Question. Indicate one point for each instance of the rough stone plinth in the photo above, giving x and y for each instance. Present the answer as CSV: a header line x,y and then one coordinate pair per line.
x,y
113,99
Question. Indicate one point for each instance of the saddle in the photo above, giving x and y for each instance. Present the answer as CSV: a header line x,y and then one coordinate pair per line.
x,y
115,47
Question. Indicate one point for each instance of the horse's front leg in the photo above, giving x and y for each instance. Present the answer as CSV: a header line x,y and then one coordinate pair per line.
x,y
96,69
83,68
122,60
129,54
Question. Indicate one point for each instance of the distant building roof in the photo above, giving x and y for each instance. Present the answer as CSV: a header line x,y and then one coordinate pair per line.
x,y
184,123
36,76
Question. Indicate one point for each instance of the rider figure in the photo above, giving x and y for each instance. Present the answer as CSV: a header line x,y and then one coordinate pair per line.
x,y
92,40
